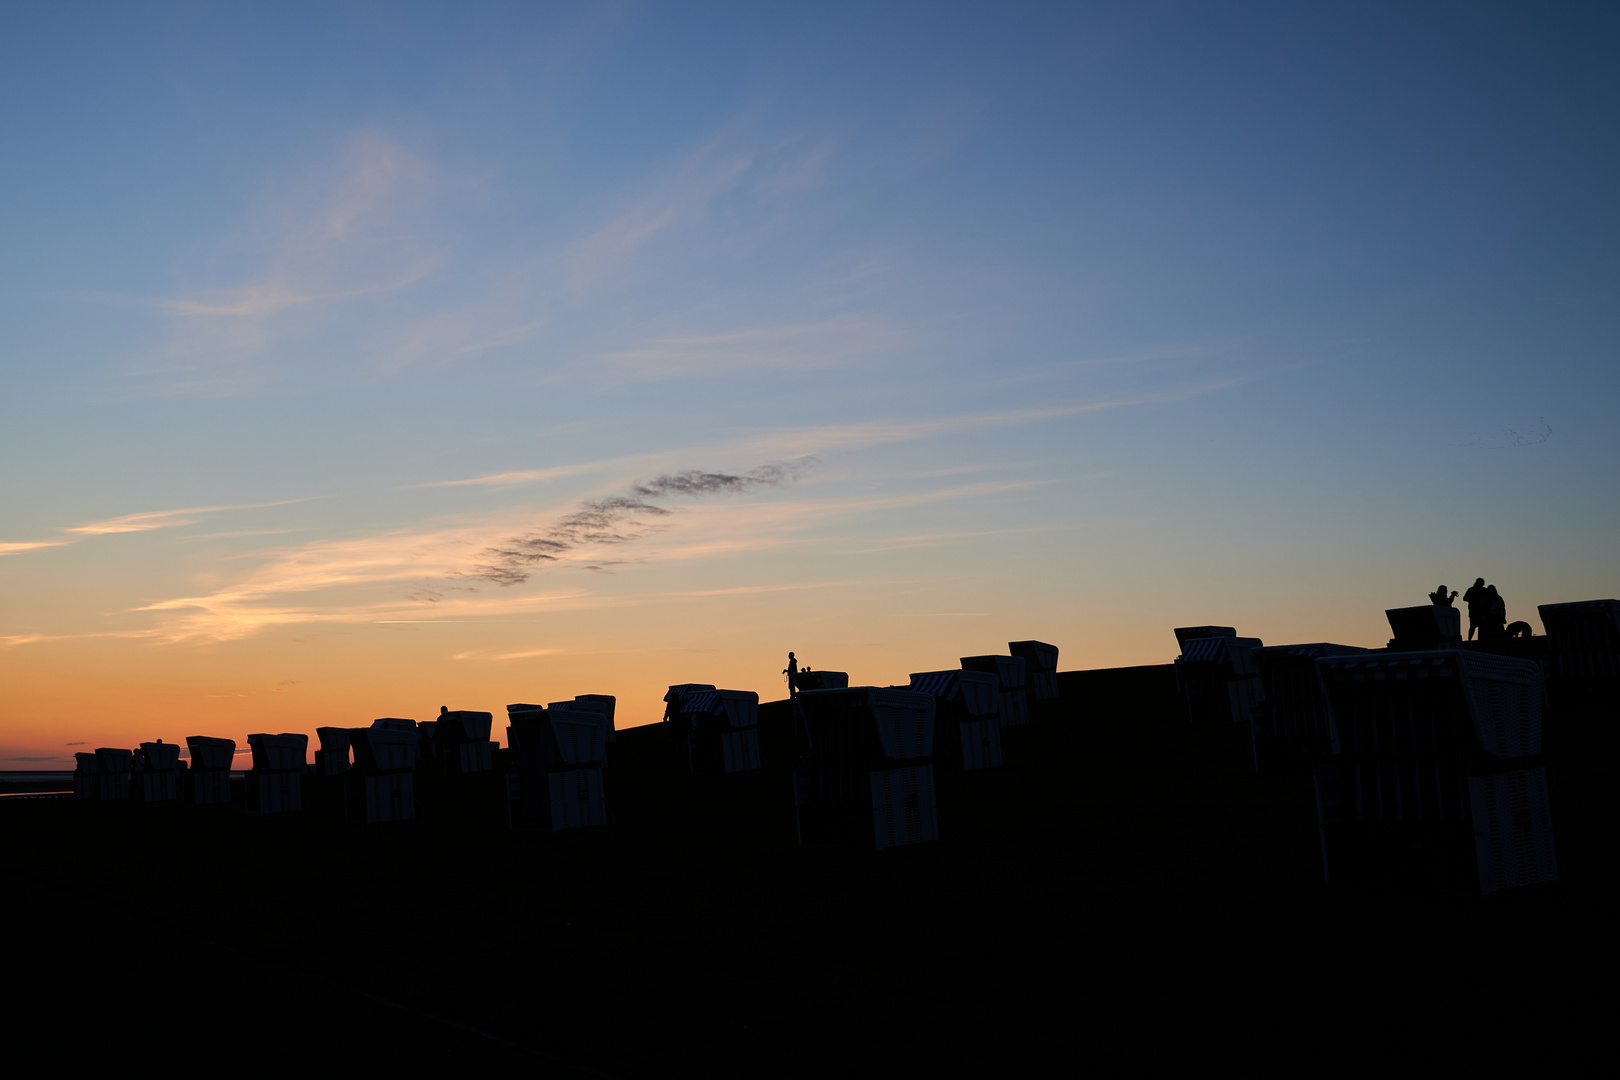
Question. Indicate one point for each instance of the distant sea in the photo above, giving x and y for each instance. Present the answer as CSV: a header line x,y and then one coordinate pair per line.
x,y
35,781
41,781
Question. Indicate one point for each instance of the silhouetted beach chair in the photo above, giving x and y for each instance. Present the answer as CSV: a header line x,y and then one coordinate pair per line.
x,y
208,781
1290,725
1040,668
461,741
1435,775
1427,626
1012,674
275,784
157,772
722,730
870,773
1217,676
382,782
967,716
559,772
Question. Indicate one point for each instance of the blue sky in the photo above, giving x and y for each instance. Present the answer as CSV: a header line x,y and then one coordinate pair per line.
x,y
1072,321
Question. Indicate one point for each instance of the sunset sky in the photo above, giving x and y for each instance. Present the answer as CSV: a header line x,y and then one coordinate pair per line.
x,y
362,358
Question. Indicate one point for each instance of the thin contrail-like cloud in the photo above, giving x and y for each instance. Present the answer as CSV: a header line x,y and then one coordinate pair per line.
x,y
145,521
18,547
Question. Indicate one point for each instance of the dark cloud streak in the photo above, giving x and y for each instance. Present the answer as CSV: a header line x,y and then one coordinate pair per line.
x,y
614,519
695,482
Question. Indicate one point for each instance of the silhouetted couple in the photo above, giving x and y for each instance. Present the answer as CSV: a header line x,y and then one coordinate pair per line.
x,y
1487,611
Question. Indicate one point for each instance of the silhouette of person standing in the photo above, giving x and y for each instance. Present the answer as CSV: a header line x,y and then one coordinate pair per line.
x,y
1496,617
1478,599
1439,598
790,671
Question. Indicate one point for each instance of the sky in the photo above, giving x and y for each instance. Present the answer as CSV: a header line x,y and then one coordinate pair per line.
x,y
362,358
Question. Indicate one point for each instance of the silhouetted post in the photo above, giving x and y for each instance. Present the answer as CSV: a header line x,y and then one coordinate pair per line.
x,y
871,768
1435,773
157,772
209,777
382,784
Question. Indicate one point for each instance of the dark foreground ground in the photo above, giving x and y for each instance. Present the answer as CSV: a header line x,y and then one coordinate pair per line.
x,y
1125,894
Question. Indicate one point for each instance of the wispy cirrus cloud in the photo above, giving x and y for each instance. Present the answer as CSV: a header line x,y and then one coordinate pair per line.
x,y
834,341
749,590
517,301
20,546
523,654
144,521
826,438
12,640
338,236
897,543
472,566
236,533
680,196
361,579
527,476
361,264
267,298
942,615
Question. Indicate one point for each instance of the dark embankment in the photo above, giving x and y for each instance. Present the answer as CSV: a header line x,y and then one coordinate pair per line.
x,y
1125,892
